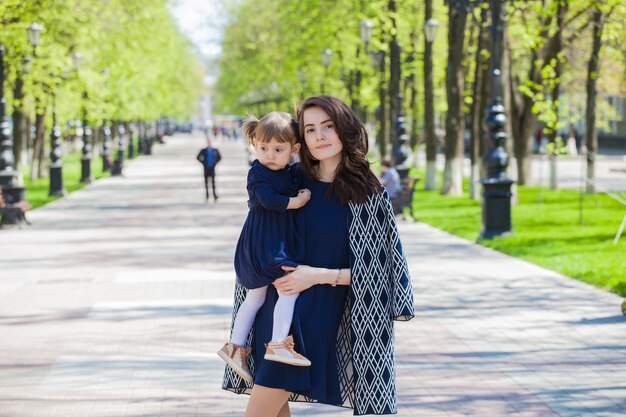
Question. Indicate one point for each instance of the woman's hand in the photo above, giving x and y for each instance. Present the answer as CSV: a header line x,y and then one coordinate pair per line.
x,y
297,279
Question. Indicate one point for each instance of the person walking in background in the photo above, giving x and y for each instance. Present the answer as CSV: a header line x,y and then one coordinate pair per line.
x,y
266,243
352,280
390,179
209,157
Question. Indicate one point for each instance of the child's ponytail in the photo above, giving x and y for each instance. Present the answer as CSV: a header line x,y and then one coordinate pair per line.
x,y
249,127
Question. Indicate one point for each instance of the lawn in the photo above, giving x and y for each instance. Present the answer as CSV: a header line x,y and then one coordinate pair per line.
x,y
547,231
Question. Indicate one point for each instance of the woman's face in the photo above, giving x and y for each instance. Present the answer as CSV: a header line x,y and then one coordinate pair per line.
x,y
320,135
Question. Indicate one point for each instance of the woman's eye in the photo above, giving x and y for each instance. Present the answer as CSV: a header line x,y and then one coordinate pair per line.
x,y
308,131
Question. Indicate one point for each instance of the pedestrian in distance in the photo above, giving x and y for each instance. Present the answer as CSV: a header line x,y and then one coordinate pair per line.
x,y
209,157
390,179
352,279
266,242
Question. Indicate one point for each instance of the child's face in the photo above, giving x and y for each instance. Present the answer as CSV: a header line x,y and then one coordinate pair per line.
x,y
275,155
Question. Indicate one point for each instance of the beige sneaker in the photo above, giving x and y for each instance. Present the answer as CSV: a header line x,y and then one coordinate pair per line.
x,y
236,357
283,352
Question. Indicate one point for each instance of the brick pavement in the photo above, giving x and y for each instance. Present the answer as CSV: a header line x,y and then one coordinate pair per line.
x,y
115,300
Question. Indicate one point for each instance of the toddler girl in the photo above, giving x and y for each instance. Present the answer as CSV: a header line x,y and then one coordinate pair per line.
x,y
266,241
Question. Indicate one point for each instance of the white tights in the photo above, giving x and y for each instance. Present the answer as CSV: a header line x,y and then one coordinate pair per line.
x,y
283,314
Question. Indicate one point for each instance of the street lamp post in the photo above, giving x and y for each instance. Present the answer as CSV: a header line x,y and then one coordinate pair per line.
x,y
430,32
131,140
85,176
327,56
118,164
34,33
55,187
56,164
399,151
106,148
496,205
8,176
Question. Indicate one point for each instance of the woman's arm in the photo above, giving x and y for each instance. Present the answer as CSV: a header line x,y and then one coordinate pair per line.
x,y
302,277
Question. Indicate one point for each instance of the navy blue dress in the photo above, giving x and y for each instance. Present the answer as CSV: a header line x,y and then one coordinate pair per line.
x,y
267,235
322,225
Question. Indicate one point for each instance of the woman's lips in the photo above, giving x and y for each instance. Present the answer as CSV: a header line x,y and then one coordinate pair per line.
x,y
322,146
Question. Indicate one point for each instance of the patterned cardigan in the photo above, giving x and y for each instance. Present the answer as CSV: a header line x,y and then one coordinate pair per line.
x,y
380,292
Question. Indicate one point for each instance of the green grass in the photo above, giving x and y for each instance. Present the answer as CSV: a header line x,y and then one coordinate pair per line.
x,y
547,231
37,191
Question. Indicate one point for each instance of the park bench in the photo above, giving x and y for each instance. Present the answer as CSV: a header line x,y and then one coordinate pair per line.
x,y
13,213
404,199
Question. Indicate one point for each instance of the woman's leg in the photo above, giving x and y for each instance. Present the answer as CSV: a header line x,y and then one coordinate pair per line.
x,y
246,314
267,402
285,412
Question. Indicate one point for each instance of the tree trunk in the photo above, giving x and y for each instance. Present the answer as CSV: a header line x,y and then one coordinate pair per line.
x,y
20,143
455,124
476,112
556,91
429,108
394,82
40,120
591,136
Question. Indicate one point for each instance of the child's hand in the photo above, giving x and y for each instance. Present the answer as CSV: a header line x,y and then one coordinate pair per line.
x,y
303,196
300,200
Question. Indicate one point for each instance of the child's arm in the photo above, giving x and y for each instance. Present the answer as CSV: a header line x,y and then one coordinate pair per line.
x,y
300,200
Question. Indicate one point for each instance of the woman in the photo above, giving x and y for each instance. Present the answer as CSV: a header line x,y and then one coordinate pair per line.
x,y
352,279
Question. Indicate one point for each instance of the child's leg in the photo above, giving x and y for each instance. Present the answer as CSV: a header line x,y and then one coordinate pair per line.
x,y
283,315
246,314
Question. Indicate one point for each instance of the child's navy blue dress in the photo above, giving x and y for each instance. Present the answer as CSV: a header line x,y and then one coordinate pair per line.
x,y
267,234
322,225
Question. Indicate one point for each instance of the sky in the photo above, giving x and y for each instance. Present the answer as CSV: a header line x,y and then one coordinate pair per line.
x,y
202,22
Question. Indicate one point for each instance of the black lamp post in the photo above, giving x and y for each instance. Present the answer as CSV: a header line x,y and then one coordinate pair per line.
x,y
327,56
106,148
131,140
118,165
496,205
56,164
86,176
8,176
399,138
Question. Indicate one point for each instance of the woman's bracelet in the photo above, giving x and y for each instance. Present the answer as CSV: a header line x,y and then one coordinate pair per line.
x,y
334,284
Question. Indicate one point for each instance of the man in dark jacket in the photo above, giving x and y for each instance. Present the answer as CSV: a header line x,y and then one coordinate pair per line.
x,y
209,157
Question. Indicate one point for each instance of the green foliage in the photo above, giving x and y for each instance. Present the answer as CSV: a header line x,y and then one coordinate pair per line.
x,y
557,147
272,51
136,64
546,230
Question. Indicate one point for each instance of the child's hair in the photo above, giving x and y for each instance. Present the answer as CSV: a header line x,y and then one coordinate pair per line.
x,y
386,163
275,125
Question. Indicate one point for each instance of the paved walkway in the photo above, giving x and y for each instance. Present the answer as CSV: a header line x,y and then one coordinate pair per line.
x,y
114,301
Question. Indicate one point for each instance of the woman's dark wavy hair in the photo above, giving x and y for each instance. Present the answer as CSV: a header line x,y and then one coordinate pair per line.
x,y
354,180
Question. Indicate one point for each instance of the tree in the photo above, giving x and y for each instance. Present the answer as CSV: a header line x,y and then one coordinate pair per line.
x,y
601,13
455,82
